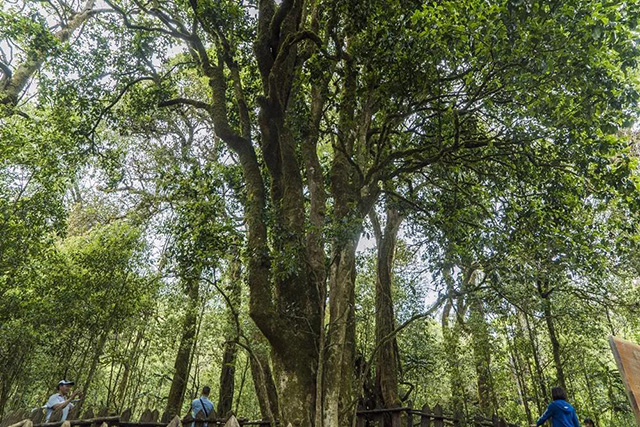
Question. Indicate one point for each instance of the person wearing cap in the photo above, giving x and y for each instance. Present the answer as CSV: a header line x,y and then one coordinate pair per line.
x,y
60,400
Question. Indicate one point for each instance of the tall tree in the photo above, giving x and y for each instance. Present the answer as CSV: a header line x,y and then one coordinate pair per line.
x,y
322,102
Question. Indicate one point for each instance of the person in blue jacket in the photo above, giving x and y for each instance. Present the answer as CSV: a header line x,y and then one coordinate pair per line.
x,y
560,411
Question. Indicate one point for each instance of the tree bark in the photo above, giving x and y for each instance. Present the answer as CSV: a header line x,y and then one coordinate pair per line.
x,y
387,358
263,378
545,294
536,360
129,364
481,355
451,338
94,364
518,372
183,357
228,370
12,84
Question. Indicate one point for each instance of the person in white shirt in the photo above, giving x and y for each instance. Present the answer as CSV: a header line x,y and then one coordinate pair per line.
x,y
60,400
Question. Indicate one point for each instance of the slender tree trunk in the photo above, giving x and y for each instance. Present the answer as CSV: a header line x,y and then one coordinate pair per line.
x,y
518,372
589,384
387,358
481,355
451,338
140,377
536,359
545,295
228,370
339,380
129,364
263,379
94,365
183,358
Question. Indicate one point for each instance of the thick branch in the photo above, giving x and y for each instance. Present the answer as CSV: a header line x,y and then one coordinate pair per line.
x,y
17,82
185,101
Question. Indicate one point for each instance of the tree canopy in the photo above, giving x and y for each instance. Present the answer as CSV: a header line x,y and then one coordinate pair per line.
x,y
365,202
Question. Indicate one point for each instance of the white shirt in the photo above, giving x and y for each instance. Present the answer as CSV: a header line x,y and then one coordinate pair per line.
x,y
54,399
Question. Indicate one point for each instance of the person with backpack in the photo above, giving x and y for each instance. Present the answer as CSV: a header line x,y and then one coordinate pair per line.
x,y
560,411
202,404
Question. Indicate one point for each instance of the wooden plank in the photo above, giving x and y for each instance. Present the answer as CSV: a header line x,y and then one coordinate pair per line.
x,y
425,418
396,419
146,416
37,416
56,416
126,415
437,415
74,413
232,422
166,418
175,422
627,356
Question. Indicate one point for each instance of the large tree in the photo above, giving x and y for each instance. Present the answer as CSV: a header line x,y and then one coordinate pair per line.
x,y
323,101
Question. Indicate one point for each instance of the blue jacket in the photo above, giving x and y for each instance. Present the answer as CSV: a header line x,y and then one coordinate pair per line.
x,y
561,413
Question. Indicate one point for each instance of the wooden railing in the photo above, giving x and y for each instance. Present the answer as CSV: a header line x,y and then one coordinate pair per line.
x,y
425,417
394,417
105,418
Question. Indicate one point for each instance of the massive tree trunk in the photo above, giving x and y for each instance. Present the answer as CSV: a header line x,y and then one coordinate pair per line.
x,y
387,357
287,273
228,370
183,357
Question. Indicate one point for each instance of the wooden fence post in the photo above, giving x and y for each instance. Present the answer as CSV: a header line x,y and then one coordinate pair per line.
x,y
425,418
166,418
396,419
37,415
187,420
232,422
438,419
410,414
126,415
175,422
